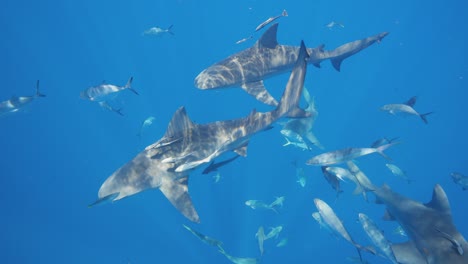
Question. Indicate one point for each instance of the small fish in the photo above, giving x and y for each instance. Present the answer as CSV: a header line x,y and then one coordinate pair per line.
x,y
146,123
346,154
455,243
206,239
15,103
377,237
332,179
215,166
271,19
334,24
159,31
397,171
244,39
275,231
260,235
257,204
278,202
282,243
217,177
294,139
300,175
105,91
405,108
107,106
460,179
237,260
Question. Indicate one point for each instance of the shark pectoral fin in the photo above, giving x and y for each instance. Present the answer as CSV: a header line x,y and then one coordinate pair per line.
x,y
177,193
388,217
257,90
439,200
407,253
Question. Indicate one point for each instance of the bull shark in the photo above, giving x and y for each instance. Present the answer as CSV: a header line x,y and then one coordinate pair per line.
x,y
248,68
15,103
167,163
433,236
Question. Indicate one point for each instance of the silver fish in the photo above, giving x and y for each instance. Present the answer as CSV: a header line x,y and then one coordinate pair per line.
x,y
405,108
346,154
377,237
105,91
397,171
271,19
15,103
159,31
460,179
260,235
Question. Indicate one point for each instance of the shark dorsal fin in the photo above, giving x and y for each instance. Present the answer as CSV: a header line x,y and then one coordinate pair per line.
x,y
268,39
411,101
179,123
439,200
176,191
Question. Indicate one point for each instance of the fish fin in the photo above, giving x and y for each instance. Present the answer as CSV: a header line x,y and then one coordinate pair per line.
x,y
128,86
177,193
241,151
411,101
336,62
180,122
289,103
38,94
317,64
423,117
439,200
268,39
258,90
387,216
382,148
169,30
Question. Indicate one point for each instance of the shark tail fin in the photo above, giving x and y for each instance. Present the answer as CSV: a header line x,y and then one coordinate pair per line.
x,y
289,104
423,117
129,86
38,93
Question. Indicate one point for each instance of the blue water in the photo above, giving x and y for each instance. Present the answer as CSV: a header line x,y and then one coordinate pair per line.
x,y
58,151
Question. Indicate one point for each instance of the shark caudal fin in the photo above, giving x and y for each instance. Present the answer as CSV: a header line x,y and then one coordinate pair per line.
x,y
129,86
289,104
38,94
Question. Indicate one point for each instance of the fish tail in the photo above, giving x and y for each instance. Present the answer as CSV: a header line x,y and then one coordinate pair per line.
x,y
38,93
289,103
381,149
129,86
169,30
423,117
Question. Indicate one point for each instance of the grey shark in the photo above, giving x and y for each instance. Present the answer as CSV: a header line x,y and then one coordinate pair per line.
x,y
248,68
15,103
433,236
167,163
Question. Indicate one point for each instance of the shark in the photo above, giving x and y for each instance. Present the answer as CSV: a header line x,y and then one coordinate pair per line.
x,y
248,68
186,145
15,103
433,236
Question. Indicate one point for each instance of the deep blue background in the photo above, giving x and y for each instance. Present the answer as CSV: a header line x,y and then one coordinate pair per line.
x,y
58,151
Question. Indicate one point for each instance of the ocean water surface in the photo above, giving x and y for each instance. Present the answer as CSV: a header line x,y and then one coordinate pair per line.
x,y
58,150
